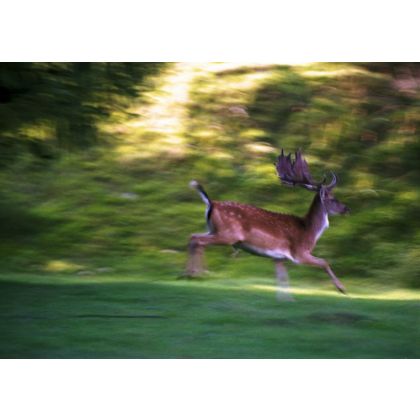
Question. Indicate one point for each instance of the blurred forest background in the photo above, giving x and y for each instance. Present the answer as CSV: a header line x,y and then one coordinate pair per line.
x,y
95,161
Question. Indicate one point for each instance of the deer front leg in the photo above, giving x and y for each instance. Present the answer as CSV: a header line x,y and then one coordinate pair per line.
x,y
283,292
309,259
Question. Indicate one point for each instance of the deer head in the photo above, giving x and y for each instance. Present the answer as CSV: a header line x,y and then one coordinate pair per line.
x,y
296,173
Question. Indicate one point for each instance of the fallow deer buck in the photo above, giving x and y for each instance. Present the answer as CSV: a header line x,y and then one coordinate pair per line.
x,y
265,233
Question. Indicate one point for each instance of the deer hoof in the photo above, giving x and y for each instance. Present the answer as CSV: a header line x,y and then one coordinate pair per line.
x,y
342,290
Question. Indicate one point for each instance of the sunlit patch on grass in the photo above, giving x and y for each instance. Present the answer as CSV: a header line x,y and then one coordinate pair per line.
x,y
248,81
260,148
42,131
333,73
222,155
253,133
263,174
57,266
332,70
408,196
363,181
163,114
396,294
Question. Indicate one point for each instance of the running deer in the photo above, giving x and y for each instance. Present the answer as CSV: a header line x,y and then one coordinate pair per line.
x,y
268,234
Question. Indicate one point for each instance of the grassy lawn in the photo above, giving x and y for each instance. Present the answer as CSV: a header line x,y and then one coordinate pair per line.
x,y
106,316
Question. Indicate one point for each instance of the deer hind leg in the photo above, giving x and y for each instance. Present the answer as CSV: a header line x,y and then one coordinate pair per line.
x,y
309,259
196,246
283,290
195,259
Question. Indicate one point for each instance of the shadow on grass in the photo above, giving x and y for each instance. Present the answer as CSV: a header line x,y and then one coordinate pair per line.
x,y
178,319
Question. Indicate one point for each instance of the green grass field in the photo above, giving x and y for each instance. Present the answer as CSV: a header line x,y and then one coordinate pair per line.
x,y
106,316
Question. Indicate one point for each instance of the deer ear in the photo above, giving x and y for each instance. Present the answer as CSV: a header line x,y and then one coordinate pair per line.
x,y
322,194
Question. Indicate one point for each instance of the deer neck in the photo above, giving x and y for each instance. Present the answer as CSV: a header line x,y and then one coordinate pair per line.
x,y
316,219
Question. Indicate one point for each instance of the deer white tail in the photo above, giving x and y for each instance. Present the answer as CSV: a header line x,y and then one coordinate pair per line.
x,y
209,206
196,186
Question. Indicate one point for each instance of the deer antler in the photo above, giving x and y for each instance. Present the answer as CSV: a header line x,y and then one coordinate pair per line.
x,y
333,182
296,172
